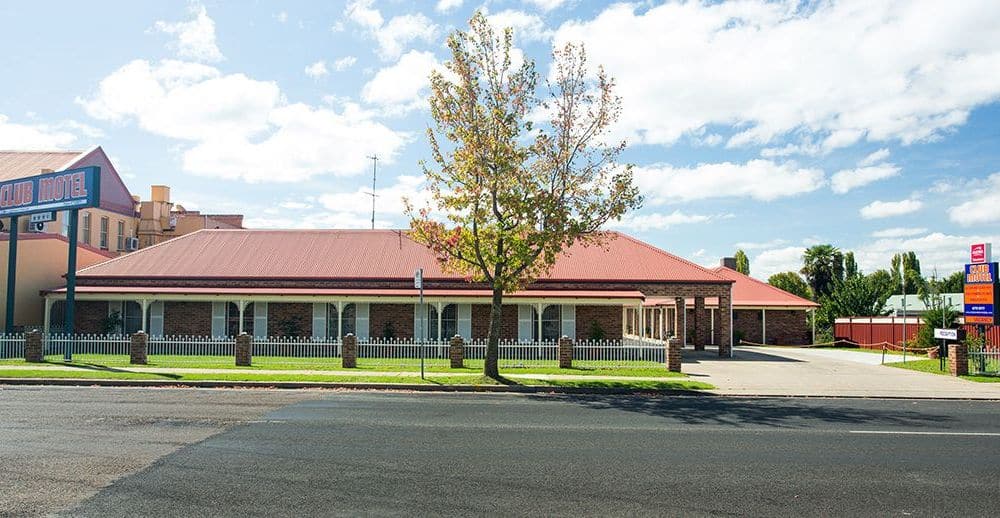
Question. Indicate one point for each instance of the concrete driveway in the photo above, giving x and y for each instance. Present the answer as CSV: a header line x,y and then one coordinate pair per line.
x,y
823,372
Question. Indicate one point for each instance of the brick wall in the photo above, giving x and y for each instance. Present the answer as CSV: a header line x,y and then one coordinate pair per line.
x,y
608,317
89,316
398,316
187,318
747,325
289,319
481,322
784,327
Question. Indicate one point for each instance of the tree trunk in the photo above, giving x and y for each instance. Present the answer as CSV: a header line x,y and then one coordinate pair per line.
x,y
493,337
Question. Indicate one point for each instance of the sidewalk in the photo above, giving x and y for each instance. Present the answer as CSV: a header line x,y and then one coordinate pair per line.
x,y
766,371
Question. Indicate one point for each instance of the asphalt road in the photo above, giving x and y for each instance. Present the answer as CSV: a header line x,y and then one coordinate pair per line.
x,y
350,453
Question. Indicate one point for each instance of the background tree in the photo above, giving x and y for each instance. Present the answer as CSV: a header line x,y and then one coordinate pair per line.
x,y
906,266
939,312
790,282
823,267
507,198
742,262
860,295
850,266
954,283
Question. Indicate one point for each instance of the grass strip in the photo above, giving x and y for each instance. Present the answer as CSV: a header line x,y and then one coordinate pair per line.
x,y
934,367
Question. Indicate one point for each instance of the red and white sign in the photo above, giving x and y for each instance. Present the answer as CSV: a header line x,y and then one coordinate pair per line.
x,y
980,253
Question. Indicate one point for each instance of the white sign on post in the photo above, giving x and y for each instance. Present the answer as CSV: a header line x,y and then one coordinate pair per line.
x,y
946,334
418,279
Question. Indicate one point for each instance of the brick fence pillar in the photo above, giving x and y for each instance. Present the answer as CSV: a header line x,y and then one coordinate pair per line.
x,y
700,324
565,353
725,325
958,359
244,350
33,347
680,319
137,349
674,354
349,354
456,351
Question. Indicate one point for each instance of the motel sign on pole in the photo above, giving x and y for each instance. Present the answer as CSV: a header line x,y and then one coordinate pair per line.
x,y
68,191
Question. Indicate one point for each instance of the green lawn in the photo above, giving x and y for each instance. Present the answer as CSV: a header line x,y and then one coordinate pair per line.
x,y
637,369
933,367
111,373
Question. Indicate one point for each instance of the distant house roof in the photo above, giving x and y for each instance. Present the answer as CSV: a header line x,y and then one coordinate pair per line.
x,y
915,306
748,291
115,196
371,254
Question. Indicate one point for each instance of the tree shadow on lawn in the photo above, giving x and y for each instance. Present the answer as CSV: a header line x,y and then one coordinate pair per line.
x,y
95,367
738,412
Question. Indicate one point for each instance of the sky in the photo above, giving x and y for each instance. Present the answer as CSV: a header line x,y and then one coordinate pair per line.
x,y
763,126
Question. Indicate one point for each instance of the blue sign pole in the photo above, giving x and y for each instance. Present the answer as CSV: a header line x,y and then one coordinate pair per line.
x,y
11,275
74,218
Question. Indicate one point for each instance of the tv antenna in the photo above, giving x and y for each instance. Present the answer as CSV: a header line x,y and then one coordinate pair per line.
x,y
374,159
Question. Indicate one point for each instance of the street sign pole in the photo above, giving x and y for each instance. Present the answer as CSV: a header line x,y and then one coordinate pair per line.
x,y
69,328
11,275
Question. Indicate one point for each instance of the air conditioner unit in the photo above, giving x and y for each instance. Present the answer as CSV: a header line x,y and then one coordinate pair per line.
x,y
38,226
132,244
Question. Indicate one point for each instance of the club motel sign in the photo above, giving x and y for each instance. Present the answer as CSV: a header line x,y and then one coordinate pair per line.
x,y
70,189
981,292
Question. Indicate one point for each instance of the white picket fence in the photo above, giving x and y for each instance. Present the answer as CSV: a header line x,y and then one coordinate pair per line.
x,y
11,346
370,352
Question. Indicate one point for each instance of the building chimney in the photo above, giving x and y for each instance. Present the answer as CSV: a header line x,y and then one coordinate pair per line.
x,y
729,262
160,193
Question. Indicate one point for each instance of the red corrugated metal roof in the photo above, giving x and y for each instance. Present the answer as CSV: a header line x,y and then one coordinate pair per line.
x,y
748,291
22,164
374,292
370,254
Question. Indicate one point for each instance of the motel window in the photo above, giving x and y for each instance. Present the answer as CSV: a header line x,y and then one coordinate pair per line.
x,y
551,323
332,319
104,233
85,237
121,235
233,319
64,223
449,321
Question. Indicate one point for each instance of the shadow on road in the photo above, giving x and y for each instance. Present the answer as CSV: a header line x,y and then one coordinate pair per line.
x,y
783,413
712,355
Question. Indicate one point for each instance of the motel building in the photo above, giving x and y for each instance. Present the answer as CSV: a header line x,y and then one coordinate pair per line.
x,y
326,284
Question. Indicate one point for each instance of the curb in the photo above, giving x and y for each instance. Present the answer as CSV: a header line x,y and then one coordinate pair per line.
x,y
407,387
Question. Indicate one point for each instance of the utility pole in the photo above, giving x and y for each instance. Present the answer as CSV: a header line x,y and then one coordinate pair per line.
x,y
374,159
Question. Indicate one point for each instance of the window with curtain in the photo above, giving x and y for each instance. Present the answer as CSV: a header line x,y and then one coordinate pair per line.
x,y
121,235
551,323
85,233
233,319
348,316
430,324
449,321
132,317
104,233
332,317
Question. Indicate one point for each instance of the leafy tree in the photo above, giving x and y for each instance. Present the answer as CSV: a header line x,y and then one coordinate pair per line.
x,y
850,266
863,296
882,280
906,266
823,268
938,313
790,282
742,262
953,283
506,197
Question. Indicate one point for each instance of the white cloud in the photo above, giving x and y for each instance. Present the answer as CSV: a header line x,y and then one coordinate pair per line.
x,y
344,63
239,127
443,6
390,206
660,221
758,179
750,245
545,5
984,207
847,179
317,70
195,38
32,137
395,35
908,71
874,158
362,13
401,87
886,209
945,252
899,232
526,27
282,17
770,262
